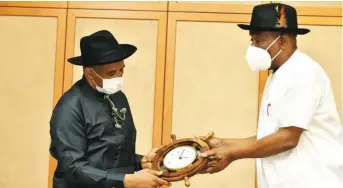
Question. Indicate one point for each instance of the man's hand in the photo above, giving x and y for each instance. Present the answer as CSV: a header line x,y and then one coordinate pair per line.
x,y
147,160
145,178
219,156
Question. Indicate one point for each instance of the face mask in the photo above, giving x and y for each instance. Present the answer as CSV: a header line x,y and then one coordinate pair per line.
x,y
258,58
109,86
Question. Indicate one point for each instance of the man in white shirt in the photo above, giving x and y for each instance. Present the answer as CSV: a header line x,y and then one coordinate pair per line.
x,y
299,139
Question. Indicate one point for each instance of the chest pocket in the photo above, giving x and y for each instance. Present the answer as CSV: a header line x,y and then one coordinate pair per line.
x,y
270,122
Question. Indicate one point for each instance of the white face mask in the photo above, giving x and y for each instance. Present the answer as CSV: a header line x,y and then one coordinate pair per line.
x,y
258,58
109,86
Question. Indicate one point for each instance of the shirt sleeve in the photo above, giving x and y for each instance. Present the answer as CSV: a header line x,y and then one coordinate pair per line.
x,y
138,164
299,102
68,146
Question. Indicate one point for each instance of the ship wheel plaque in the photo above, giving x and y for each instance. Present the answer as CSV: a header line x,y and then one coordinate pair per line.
x,y
181,159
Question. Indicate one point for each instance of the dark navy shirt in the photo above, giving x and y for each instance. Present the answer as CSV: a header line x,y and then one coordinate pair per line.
x,y
90,150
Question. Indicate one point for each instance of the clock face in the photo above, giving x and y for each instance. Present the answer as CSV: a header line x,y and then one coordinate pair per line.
x,y
180,157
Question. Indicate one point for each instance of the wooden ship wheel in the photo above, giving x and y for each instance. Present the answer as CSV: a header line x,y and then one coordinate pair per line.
x,y
181,159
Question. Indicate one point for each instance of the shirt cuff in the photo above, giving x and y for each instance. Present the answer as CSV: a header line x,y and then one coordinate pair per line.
x,y
138,165
115,179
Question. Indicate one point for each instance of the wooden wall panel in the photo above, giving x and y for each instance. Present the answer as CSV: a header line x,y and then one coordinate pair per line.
x,y
317,4
246,7
120,5
32,67
210,74
42,4
214,7
206,72
316,8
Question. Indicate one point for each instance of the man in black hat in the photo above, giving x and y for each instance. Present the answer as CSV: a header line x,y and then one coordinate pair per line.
x,y
93,135
299,139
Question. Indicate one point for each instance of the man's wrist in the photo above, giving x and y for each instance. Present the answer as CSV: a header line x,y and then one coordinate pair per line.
x,y
127,180
240,148
114,179
138,162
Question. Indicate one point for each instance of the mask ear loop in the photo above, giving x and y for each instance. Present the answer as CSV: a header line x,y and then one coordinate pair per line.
x,y
272,45
273,42
97,76
276,54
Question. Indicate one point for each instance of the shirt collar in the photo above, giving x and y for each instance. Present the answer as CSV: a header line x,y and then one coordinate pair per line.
x,y
291,59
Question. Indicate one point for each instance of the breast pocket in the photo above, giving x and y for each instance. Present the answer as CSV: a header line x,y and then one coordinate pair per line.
x,y
272,116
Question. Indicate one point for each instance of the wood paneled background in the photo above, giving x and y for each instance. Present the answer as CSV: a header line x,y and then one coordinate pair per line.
x,y
188,76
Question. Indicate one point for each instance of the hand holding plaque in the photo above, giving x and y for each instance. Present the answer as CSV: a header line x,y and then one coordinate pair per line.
x,y
219,156
181,159
147,160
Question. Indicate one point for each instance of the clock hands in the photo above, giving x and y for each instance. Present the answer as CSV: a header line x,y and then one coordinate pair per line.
x,y
180,156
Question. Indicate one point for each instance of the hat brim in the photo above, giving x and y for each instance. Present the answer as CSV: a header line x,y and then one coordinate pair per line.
x,y
122,52
299,31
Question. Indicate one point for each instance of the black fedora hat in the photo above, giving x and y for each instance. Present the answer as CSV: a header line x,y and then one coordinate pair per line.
x,y
101,48
274,17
